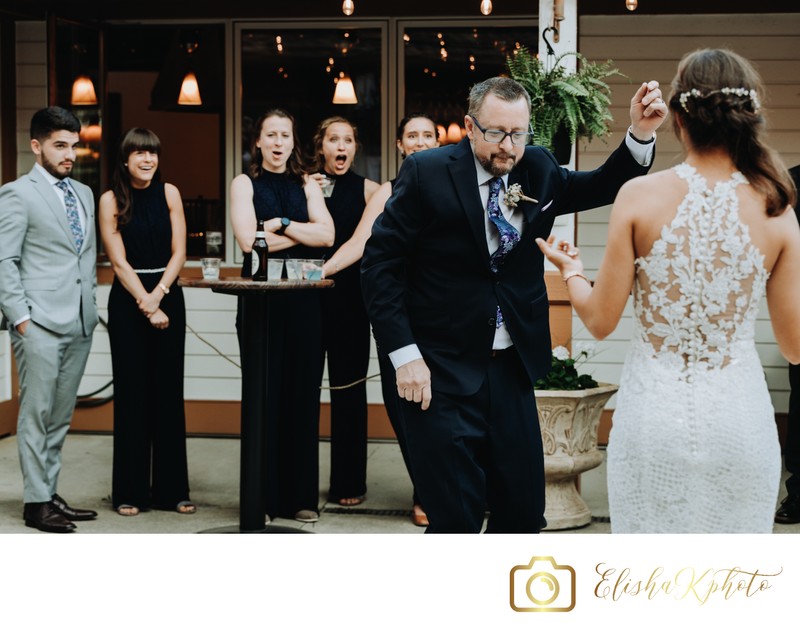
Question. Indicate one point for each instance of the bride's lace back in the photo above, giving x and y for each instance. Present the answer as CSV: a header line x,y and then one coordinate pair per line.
x,y
696,293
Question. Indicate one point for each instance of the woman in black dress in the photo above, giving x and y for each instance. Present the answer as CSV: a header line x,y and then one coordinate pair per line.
x,y
345,326
416,132
277,190
144,233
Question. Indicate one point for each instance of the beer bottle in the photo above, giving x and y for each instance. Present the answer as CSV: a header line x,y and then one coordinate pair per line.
x,y
259,254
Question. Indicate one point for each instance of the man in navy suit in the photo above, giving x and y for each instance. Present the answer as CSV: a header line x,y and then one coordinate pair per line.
x,y
457,298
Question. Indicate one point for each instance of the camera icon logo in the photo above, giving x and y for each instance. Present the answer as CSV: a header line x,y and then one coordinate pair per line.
x,y
542,586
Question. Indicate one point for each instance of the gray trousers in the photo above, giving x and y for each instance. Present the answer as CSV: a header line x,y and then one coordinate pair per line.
x,y
50,368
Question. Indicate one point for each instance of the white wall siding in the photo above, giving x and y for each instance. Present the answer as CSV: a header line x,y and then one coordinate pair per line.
x,y
31,85
31,91
208,375
649,47
212,351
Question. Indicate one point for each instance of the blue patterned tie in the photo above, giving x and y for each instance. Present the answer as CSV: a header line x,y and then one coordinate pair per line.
x,y
509,236
72,213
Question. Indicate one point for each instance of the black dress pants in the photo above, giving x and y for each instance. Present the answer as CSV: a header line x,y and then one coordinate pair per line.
x,y
391,401
470,453
346,342
150,464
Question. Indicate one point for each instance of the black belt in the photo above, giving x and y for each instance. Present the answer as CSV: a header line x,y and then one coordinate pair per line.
x,y
496,353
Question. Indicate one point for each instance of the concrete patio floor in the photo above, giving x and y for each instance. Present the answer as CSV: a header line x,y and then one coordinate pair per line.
x,y
214,478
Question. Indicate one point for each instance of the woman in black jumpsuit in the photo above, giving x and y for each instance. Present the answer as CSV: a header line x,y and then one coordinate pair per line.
x,y
277,190
345,326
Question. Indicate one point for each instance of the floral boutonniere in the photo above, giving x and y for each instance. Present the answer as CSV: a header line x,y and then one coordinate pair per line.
x,y
514,196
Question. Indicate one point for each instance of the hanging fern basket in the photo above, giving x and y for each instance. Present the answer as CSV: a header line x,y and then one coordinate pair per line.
x,y
562,102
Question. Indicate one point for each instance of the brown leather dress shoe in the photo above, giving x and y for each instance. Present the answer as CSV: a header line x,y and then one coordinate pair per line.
x,y
789,511
45,517
70,513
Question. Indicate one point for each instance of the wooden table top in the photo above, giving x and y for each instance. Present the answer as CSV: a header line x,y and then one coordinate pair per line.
x,y
238,285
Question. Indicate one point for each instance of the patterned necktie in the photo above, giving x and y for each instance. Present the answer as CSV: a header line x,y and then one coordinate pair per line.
x,y
72,213
509,236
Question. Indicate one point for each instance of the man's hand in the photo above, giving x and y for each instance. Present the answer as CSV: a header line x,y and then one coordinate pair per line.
x,y
648,110
22,327
414,382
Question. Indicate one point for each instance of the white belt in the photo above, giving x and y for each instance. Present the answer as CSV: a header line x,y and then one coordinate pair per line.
x,y
149,270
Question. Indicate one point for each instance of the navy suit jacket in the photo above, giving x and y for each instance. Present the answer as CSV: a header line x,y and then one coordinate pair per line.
x,y
425,272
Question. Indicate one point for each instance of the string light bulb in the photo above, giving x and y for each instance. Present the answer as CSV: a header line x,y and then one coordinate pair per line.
x,y
631,4
486,7
348,6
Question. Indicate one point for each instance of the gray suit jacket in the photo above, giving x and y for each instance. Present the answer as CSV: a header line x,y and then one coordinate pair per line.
x,y
41,272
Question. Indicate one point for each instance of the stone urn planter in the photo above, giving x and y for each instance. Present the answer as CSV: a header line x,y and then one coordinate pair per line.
x,y
568,421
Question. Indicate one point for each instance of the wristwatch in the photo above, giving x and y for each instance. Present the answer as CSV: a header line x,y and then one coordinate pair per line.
x,y
285,221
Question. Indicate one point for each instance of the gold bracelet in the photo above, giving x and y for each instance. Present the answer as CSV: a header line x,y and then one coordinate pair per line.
x,y
164,288
572,274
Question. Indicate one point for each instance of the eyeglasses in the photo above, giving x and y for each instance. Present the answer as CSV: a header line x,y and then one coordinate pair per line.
x,y
498,135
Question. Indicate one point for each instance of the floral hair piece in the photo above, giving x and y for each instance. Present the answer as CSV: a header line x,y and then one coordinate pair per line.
x,y
514,196
739,92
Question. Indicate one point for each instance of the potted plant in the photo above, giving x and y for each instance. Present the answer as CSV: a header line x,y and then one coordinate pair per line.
x,y
569,404
564,105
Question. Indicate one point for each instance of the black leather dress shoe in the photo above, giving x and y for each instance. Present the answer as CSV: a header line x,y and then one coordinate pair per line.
x,y
789,511
45,517
71,513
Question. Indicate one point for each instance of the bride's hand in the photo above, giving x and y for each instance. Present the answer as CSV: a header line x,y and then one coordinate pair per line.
x,y
561,254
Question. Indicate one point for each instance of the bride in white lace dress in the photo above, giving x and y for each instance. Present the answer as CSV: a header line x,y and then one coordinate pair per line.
x,y
694,447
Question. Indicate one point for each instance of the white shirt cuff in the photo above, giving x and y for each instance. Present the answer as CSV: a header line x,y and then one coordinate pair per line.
x,y
404,355
643,154
22,320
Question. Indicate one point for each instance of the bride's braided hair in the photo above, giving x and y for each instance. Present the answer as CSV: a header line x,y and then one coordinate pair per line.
x,y
716,101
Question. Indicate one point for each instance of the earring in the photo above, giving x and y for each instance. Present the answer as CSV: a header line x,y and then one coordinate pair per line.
x,y
125,164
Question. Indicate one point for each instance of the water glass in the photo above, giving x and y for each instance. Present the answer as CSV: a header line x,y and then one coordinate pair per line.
x,y
211,267
294,269
274,269
327,186
312,269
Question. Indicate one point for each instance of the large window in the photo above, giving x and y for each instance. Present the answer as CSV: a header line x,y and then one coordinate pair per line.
x,y
77,85
442,62
146,69
296,68
430,68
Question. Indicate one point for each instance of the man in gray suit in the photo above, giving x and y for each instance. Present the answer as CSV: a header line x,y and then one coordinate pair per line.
x,y
47,296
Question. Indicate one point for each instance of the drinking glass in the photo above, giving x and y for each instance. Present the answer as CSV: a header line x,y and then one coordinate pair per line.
x,y
210,267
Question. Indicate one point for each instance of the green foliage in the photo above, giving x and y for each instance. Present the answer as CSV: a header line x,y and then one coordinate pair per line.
x,y
564,374
578,102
